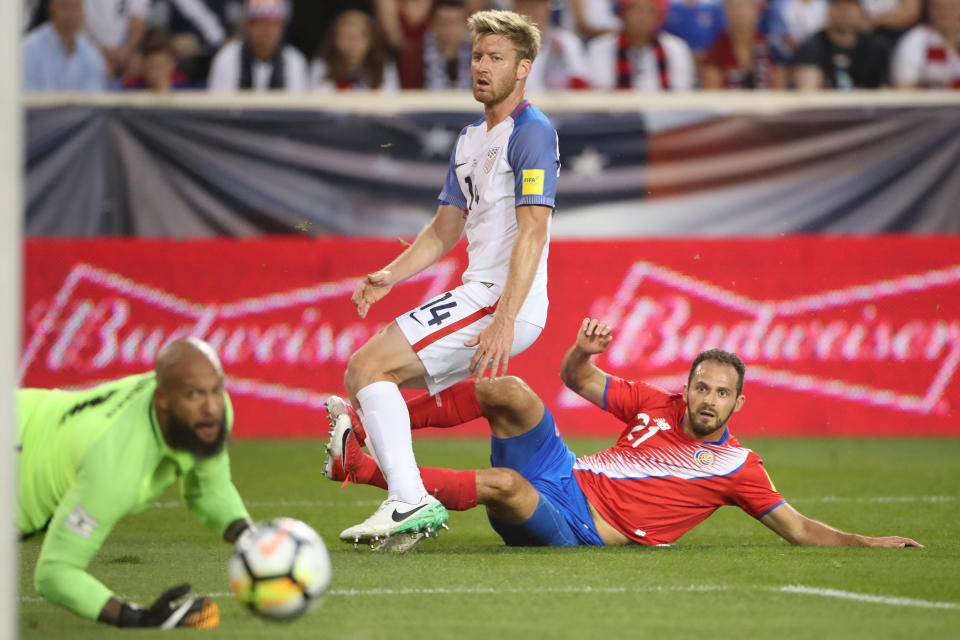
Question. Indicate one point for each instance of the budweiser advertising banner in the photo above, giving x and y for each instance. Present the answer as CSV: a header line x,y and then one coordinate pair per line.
x,y
851,336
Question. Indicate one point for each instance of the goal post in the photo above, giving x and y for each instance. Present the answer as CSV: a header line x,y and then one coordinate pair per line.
x,y
11,214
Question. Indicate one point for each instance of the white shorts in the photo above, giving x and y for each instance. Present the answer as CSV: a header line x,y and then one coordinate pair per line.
x,y
438,330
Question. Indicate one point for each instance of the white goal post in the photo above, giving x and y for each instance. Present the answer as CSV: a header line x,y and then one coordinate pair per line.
x,y
11,216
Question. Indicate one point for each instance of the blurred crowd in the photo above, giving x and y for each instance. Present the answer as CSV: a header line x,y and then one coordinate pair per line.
x,y
392,45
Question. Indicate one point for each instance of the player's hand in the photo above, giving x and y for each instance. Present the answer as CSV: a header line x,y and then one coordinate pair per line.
x,y
493,348
594,336
199,612
893,541
372,288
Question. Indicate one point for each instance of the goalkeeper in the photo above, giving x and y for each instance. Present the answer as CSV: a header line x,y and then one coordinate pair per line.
x,y
89,458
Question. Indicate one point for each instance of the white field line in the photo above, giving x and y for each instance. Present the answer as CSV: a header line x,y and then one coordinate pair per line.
x,y
791,589
478,590
175,504
878,499
866,597
373,503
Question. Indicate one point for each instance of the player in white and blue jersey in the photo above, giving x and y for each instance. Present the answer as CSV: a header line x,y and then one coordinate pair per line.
x,y
501,190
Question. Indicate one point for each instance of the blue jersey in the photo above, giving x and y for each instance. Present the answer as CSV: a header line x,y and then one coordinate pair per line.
x,y
491,174
699,24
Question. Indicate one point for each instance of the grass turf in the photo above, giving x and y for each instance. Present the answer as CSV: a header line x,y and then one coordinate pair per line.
x,y
728,578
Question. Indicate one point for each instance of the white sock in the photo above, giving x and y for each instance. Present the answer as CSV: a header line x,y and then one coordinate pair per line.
x,y
368,443
387,422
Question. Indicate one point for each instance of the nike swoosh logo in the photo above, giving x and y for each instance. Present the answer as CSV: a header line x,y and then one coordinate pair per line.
x,y
343,449
415,318
457,166
400,517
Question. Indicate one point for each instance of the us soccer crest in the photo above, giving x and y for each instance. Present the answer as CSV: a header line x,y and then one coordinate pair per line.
x,y
491,158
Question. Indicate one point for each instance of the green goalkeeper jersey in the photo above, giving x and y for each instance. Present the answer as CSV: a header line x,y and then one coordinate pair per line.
x,y
88,458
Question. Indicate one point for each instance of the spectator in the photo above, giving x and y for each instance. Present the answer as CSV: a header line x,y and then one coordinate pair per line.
x,y
57,56
447,47
773,27
158,67
890,19
698,22
741,58
353,56
803,18
562,62
841,56
310,20
117,27
197,29
405,23
928,56
592,18
260,60
640,56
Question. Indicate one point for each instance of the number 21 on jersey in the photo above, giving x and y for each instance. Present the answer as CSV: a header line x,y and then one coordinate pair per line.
x,y
645,425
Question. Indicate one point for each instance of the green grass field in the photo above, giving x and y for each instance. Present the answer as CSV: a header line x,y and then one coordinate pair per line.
x,y
729,578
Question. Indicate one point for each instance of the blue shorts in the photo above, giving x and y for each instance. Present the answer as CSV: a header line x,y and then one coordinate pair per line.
x,y
562,517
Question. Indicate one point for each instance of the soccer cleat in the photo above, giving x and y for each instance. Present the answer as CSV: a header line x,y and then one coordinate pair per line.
x,y
343,452
395,517
336,407
401,542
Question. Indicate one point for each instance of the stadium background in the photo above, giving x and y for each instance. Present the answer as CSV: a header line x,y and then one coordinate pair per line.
x,y
815,235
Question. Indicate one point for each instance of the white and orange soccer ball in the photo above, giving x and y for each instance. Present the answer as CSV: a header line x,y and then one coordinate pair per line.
x,y
280,568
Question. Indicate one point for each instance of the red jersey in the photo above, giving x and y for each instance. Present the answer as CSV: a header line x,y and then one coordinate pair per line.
x,y
656,483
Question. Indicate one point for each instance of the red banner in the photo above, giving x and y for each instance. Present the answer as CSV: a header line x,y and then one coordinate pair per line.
x,y
841,336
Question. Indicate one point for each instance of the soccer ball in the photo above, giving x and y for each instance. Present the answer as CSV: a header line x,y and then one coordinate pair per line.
x,y
279,568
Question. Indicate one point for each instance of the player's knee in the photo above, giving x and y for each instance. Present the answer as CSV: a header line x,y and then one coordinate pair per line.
x,y
358,373
509,405
508,393
499,485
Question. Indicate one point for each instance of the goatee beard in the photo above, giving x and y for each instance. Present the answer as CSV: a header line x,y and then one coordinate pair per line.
x,y
180,436
703,431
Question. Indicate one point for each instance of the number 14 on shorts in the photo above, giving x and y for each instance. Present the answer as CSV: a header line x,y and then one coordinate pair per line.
x,y
437,308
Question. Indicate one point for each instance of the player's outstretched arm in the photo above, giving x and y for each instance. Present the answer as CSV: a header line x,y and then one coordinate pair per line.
x,y
578,371
796,528
432,243
211,496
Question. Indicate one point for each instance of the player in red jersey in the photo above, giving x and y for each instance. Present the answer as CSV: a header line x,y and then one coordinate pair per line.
x,y
674,463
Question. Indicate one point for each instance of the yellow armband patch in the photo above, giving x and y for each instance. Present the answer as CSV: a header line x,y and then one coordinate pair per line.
x,y
532,182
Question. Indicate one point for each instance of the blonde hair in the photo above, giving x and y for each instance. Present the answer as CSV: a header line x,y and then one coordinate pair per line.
x,y
520,30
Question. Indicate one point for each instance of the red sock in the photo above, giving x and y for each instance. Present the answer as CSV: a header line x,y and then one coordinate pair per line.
x,y
456,490
449,408
369,473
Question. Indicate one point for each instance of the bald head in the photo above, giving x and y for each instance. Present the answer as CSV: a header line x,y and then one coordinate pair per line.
x,y
190,399
183,357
